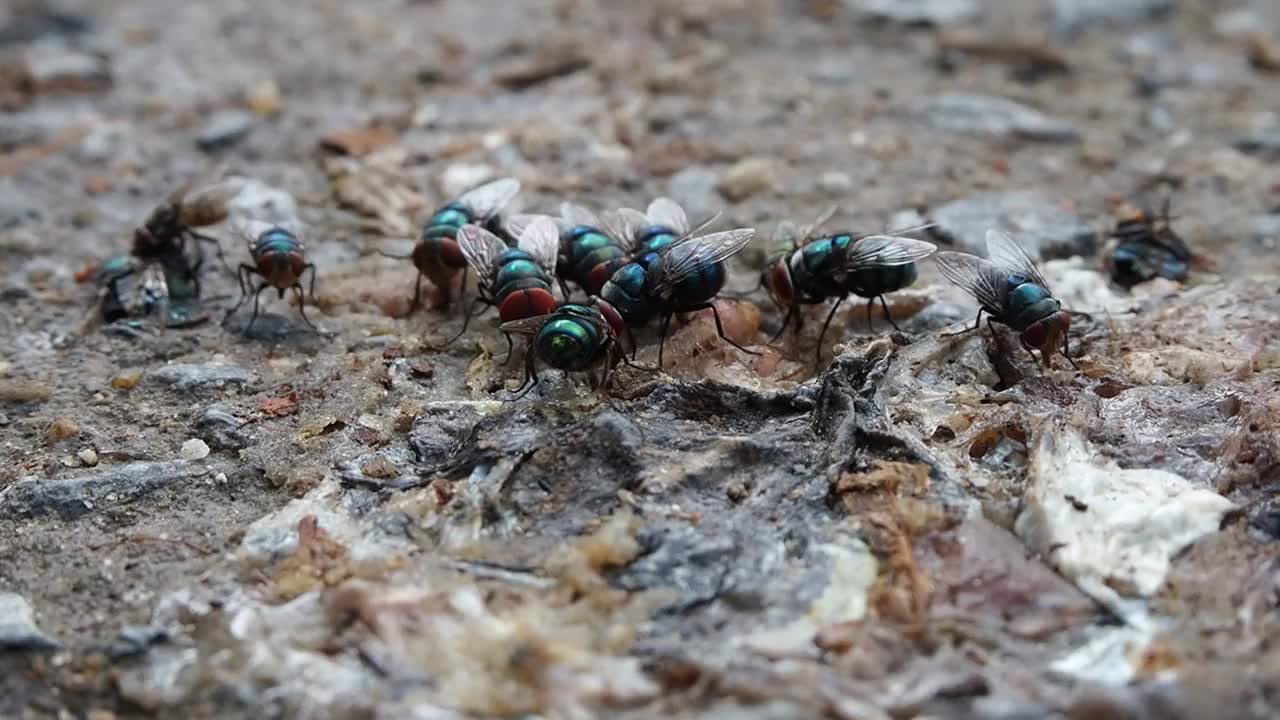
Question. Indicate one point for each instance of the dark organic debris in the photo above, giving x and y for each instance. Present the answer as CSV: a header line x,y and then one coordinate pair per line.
x,y
109,487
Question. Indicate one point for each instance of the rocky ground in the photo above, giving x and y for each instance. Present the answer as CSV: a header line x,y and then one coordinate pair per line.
x,y
201,522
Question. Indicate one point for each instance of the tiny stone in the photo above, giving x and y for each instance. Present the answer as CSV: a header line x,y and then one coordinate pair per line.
x,y
380,468
919,12
1071,16
18,630
61,429
695,188
990,115
220,478
225,128
748,177
834,182
126,380
422,368
88,457
461,177
17,392
195,449
264,98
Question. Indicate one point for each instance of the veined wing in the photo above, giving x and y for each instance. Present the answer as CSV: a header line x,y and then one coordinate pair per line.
x,y
978,277
578,215
624,224
665,211
541,239
785,240
684,259
805,234
886,251
207,204
525,326
482,249
485,201
1005,253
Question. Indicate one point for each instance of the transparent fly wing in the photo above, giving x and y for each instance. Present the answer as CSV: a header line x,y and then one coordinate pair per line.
x,y
578,215
785,239
702,226
1005,253
886,251
208,204
485,201
482,249
806,233
525,326
624,224
541,239
665,211
979,278
684,259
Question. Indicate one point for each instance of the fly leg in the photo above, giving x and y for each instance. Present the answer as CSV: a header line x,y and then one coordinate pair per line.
x,y
719,328
817,351
662,337
466,319
217,247
976,323
417,294
302,308
887,316
786,322
256,297
530,376
511,348
243,275
1066,351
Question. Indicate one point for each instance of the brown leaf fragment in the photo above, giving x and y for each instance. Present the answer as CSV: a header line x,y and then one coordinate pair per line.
x,y
280,406
358,142
318,561
550,63
1263,51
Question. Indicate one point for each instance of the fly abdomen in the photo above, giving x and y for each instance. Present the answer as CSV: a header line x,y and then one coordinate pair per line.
x,y
593,257
521,287
625,292
874,281
655,238
698,288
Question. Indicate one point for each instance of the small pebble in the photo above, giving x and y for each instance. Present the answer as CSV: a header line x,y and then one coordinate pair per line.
x,y
748,177
461,177
17,391
88,457
194,449
61,429
225,128
220,478
126,380
264,98
834,182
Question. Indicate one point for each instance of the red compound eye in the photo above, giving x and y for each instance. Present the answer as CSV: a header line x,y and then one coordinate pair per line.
x,y
596,279
451,253
1036,334
778,280
527,304
612,316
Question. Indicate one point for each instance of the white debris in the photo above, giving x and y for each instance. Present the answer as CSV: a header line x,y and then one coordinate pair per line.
x,y
853,572
1109,528
194,449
